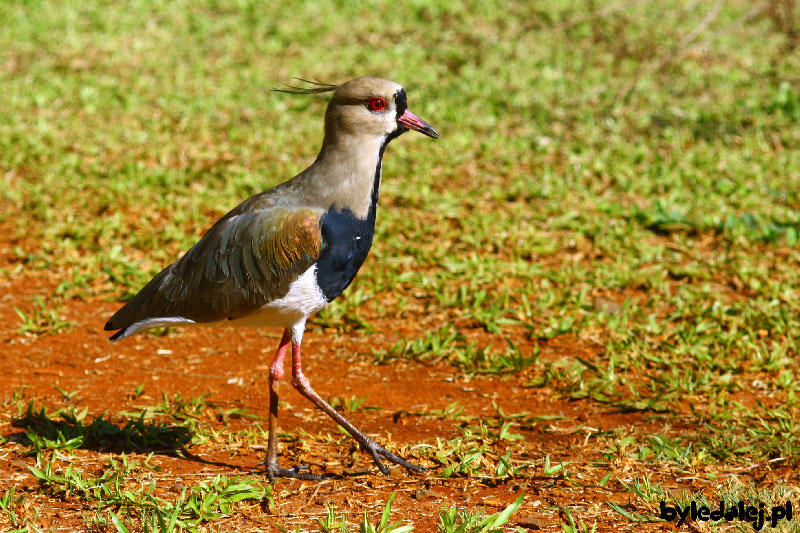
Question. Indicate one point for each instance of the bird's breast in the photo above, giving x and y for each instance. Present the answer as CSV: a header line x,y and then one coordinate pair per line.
x,y
346,243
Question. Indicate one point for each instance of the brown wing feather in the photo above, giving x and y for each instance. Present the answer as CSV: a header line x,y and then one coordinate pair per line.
x,y
247,259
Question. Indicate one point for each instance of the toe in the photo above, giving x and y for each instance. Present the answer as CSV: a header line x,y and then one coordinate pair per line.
x,y
297,472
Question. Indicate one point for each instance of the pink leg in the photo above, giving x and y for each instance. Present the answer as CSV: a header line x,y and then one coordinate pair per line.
x,y
302,384
275,375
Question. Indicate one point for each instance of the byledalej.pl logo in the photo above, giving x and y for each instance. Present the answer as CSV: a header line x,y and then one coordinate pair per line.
x,y
757,516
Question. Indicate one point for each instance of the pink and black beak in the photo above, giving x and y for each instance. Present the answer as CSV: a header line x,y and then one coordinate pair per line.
x,y
413,122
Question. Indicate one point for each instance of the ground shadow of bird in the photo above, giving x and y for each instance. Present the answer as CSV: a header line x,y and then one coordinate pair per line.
x,y
137,435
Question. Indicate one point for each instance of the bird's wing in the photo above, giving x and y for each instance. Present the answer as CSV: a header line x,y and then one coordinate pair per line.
x,y
247,259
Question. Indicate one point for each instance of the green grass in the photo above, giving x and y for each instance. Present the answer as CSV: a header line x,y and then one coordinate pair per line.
x,y
646,218
41,320
464,521
202,503
333,523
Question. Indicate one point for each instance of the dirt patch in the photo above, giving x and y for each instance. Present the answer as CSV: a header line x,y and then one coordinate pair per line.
x,y
405,405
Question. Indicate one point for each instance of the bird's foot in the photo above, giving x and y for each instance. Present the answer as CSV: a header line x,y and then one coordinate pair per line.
x,y
297,472
377,452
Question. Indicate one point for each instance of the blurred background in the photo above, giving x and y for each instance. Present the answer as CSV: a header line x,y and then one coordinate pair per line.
x,y
649,113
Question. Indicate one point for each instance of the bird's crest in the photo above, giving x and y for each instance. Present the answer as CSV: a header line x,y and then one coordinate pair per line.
x,y
314,87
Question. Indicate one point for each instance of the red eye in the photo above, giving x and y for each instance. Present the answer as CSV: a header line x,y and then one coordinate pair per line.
x,y
376,104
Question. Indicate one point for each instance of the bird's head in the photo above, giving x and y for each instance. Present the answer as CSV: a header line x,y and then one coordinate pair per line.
x,y
374,106
368,106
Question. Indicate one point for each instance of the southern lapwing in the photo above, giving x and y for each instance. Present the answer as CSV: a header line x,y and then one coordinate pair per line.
x,y
284,254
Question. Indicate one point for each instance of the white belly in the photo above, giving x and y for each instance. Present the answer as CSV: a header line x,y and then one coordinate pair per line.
x,y
303,299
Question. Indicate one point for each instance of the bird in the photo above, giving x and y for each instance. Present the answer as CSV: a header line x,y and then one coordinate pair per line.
x,y
284,254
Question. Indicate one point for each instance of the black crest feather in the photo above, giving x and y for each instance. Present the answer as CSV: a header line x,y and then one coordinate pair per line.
x,y
314,87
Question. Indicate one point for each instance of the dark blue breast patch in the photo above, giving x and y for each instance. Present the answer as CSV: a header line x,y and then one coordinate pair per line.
x,y
346,241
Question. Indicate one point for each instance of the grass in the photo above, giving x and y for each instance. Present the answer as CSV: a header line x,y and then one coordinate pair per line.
x,y
41,320
43,432
588,226
332,523
455,521
204,502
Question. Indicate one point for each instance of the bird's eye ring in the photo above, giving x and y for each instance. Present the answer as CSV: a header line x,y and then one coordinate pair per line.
x,y
376,104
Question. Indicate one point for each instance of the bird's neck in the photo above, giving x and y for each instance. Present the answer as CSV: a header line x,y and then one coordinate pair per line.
x,y
347,173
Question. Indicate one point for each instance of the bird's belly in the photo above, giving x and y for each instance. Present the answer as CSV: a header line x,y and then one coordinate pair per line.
x,y
303,299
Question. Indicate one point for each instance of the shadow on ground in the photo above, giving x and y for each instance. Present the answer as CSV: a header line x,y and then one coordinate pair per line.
x,y
68,430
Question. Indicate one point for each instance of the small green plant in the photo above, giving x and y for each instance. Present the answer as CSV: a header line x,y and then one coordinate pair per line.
x,y
552,469
138,391
453,411
42,320
333,523
486,361
575,527
473,454
384,526
202,503
435,345
67,396
454,520
66,429
350,405
8,503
